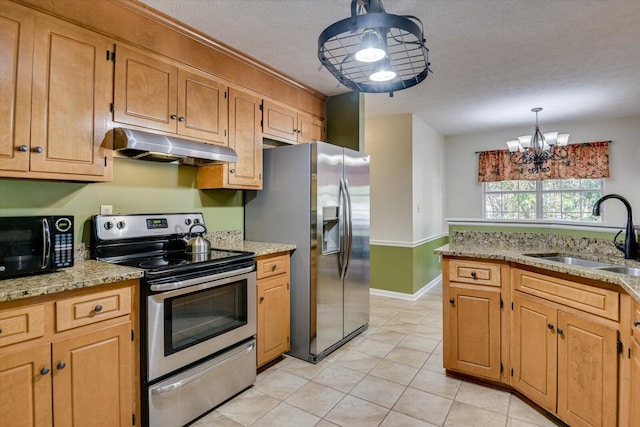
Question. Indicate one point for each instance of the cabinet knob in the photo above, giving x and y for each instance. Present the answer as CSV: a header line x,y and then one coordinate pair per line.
x,y
44,371
261,298
37,150
473,274
232,171
97,308
452,301
550,326
60,366
181,119
273,267
173,117
23,148
560,331
636,322
0,330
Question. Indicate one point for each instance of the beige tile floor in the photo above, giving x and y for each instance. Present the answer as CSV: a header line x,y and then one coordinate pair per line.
x,y
391,375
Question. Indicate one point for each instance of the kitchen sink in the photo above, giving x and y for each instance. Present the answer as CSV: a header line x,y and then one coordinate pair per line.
x,y
631,271
574,261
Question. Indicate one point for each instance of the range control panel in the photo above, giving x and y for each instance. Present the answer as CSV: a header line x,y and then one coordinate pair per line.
x,y
110,227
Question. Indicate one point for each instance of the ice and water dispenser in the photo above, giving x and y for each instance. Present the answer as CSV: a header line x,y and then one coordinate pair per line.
x,y
330,230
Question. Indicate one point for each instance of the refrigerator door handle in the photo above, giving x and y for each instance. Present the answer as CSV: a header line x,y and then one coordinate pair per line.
x,y
349,227
344,250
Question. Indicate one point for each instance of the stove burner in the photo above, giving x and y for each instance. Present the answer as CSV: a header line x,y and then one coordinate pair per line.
x,y
162,262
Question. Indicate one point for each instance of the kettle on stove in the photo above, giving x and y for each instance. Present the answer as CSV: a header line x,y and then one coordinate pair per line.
x,y
197,244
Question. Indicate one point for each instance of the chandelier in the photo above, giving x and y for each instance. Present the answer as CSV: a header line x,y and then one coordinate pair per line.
x,y
538,149
373,51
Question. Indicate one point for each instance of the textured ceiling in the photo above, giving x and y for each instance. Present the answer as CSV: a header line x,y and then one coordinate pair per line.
x,y
492,60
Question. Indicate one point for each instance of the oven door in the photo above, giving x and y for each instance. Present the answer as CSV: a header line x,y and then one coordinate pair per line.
x,y
202,317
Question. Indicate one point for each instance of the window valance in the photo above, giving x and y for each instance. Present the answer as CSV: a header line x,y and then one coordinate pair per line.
x,y
585,160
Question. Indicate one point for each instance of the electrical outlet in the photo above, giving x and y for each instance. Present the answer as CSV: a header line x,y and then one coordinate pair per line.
x,y
106,209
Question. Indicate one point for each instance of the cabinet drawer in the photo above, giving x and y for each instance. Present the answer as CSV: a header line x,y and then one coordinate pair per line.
x,y
92,308
591,299
272,266
21,324
479,273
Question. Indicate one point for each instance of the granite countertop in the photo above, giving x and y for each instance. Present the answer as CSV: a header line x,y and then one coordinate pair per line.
x,y
259,248
87,273
527,256
84,274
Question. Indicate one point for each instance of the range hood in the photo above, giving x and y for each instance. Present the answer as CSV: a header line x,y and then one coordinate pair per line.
x,y
160,148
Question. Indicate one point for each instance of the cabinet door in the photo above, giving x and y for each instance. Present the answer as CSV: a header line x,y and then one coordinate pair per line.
x,y
310,128
534,350
94,387
273,318
587,372
145,91
474,330
245,138
634,397
25,388
280,121
16,48
71,96
202,107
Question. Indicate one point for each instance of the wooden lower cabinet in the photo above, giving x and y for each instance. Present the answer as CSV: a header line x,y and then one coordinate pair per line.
x,y
25,388
474,330
94,384
567,364
78,377
634,395
273,308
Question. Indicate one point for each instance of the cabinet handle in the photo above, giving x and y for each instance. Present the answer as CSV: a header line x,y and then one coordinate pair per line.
x,y
452,301
0,330
181,119
37,150
560,331
23,148
261,299
636,322
98,308
60,366
473,274
232,171
273,267
550,326
173,117
44,371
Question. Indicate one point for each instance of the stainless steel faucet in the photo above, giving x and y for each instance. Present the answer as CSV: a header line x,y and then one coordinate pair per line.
x,y
630,247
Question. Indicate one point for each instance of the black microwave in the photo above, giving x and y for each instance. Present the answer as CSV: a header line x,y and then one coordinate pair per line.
x,y
35,244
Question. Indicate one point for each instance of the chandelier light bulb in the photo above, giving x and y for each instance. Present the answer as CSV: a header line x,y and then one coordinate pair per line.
x,y
382,72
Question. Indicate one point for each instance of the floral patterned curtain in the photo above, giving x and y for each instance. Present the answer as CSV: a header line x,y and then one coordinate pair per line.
x,y
585,160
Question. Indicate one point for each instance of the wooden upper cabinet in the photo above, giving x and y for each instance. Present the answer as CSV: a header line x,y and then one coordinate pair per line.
x,y
56,93
310,128
245,138
287,123
154,93
16,55
145,91
71,80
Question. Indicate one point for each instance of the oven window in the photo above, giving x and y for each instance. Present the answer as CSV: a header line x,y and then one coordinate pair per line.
x,y
202,315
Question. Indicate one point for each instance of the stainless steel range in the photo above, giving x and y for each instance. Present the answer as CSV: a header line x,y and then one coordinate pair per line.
x,y
197,313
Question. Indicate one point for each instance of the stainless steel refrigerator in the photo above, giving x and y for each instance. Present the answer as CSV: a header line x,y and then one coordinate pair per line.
x,y
317,197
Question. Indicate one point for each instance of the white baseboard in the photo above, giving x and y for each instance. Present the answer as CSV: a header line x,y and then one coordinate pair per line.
x,y
409,297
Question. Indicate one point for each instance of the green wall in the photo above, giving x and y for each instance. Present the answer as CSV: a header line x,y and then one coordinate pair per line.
x,y
138,187
345,120
405,270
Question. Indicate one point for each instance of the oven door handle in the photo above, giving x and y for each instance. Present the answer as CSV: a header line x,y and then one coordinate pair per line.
x,y
198,280
183,382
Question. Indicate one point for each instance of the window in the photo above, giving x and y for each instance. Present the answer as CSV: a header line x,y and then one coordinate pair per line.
x,y
552,199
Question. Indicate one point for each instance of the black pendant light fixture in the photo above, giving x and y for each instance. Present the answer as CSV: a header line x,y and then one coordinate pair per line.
x,y
373,51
